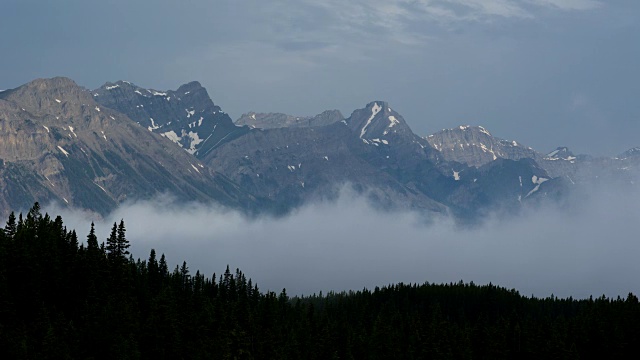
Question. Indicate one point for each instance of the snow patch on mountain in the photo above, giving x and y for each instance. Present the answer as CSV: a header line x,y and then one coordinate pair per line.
x,y
537,181
171,135
393,121
374,111
63,151
153,125
195,141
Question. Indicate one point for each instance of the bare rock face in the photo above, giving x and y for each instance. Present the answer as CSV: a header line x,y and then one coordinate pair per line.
x,y
475,146
186,116
290,166
58,144
96,149
374,151
585,169
278,120
378,121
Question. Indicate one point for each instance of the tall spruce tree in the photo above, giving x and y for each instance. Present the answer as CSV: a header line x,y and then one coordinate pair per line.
x,y
10,228
121,240
92,240
117,244
112,244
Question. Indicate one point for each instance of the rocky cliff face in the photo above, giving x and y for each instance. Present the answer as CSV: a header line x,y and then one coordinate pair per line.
x,y
475,146
378,121
278,120
186,116
290,166
95,149
375,151
58,144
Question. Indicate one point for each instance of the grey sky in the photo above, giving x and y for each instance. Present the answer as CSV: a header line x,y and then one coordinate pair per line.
x,y
543,72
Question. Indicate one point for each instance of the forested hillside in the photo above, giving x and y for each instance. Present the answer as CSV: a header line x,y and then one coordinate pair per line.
x,y
65,297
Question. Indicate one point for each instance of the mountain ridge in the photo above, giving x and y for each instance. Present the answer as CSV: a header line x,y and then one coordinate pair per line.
x,y
58,144
96,148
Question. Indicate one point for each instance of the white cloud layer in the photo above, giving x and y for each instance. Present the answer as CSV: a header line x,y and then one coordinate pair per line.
x,y
406,22
587,249
569,4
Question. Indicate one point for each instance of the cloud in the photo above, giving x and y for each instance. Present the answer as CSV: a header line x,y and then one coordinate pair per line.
x,y
569,4
392,15
589,248
355,24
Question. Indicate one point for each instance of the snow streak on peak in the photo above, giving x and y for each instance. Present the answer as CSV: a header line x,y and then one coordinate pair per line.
x,y
469,127
374,111
484,131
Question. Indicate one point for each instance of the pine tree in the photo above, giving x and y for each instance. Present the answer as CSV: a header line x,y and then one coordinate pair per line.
x,y
163,267
117,244
112,243
121,240
184,276
153,271
92,240
10,228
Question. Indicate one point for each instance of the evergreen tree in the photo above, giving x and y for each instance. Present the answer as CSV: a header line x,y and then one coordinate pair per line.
x,y
112,244
10,228
163,267
117,244
92,240
184,276
121,240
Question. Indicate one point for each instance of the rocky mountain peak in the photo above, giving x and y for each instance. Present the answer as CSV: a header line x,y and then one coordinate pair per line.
x,y
44,84
475,146
39,95
58,144
187,116
190,87
279,120
377,121
562,153
633,152
465,131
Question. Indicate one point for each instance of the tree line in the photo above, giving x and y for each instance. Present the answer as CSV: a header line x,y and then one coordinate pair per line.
x,y
62,298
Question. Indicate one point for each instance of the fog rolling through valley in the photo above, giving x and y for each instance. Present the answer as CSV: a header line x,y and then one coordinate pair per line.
x,y
588,248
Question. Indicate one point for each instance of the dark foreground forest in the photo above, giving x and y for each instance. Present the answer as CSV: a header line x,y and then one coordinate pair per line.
x,y
65,298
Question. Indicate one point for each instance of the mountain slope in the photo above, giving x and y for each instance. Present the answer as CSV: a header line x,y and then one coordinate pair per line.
x,y
475,146
290,166
187,116
58,144
376,152
278,120
96,149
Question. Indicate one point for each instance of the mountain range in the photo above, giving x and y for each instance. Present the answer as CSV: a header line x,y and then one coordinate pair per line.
x,y
95,149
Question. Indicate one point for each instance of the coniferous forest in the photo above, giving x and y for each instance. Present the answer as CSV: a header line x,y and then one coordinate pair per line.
x,y
65,297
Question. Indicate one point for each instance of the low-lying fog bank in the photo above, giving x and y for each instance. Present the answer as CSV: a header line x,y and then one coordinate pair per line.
x,y
591,248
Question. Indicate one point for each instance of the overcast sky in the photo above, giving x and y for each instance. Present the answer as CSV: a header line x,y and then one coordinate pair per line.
x,y
543,72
